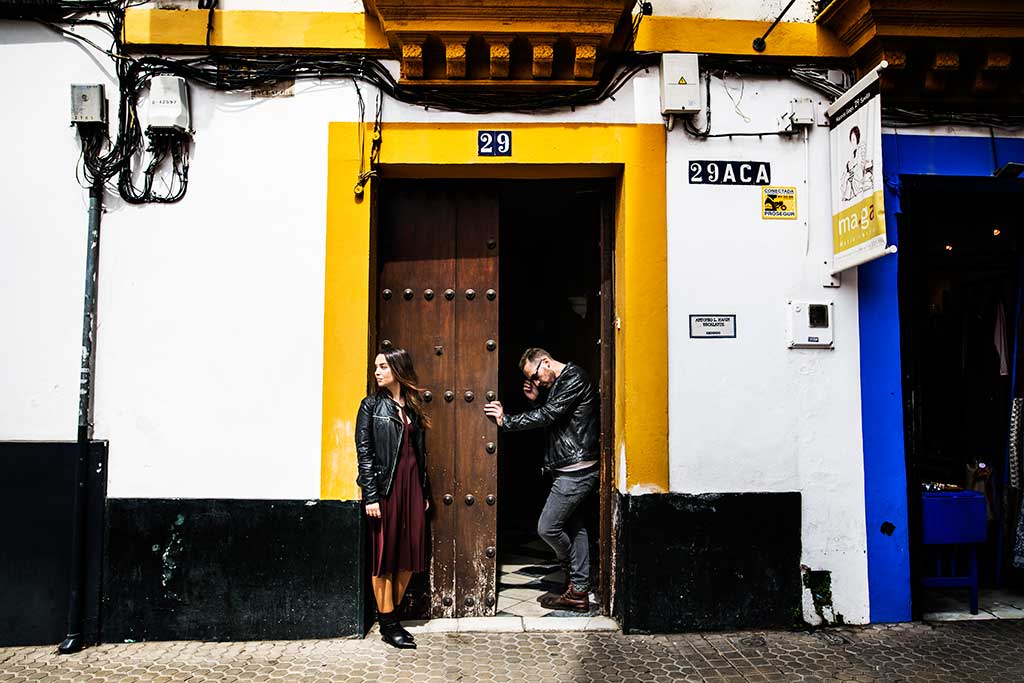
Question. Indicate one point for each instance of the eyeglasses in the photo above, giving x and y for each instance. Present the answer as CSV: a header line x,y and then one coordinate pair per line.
x,y
536,373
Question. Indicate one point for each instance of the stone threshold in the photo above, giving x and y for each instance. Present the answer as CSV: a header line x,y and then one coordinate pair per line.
x,y
509,625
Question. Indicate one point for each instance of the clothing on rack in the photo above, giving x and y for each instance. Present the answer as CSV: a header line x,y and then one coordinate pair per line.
x,y
999,338
1018,546
1015,445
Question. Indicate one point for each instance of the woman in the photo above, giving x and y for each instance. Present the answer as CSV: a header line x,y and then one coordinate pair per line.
x,y
389,442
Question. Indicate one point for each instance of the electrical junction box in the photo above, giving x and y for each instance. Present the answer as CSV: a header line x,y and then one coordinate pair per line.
x,y
802,111
168,104
810,325
88,104
680,84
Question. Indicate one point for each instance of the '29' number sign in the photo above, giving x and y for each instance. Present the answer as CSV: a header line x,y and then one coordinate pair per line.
x,y
494,143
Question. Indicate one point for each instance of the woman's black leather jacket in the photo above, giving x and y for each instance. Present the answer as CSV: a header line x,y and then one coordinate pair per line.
x,y
379,430
571,413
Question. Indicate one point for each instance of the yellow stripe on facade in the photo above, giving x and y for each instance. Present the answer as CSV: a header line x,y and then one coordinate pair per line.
x,y
736,37
357,32
348,31
635,154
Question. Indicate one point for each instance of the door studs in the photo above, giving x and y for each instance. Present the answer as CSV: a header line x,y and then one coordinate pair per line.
x,y
439,350
490,396
386,344
408,294
448,499
428,396
470,294
449,294
491,344
449,396
446,601
491,294
470,499
490,551
490,499
490,601
469,396
470,601
428,294
492,243
386,294
489,447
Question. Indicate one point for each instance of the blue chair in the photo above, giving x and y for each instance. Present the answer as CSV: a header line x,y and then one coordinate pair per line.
x,y
951,521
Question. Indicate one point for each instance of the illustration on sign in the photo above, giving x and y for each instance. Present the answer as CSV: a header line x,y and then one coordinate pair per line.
x,y
855,154
778,202
704,172
708,326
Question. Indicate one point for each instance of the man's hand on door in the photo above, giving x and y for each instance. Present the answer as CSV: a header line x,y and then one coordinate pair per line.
x,y
495,411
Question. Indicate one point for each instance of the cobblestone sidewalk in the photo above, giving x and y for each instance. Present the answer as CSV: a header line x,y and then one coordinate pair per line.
x,y
965,651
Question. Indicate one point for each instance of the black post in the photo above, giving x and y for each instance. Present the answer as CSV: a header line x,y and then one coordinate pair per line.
x,y
74,641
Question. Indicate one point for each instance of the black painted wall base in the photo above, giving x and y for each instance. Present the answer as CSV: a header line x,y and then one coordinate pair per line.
x,y
188,569
708,562
37,487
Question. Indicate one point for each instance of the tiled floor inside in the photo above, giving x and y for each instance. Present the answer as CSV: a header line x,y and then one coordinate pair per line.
x,y
953,604
527,571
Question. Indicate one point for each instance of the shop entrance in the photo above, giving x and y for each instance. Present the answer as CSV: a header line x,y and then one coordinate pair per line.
x,y
470,273
961,250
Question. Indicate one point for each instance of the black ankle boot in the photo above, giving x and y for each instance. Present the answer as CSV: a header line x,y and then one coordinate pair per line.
x,y
392,633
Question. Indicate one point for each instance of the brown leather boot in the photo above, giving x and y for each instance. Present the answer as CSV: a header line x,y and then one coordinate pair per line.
x,y
571,600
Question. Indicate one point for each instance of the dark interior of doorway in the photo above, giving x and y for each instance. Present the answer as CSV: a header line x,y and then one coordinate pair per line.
x,y
551,276
961,250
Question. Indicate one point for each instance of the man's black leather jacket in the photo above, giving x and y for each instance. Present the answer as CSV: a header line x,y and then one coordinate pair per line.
x,y
571,413
379,430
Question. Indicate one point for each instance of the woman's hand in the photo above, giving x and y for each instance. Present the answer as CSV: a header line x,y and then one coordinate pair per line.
x,y
373,510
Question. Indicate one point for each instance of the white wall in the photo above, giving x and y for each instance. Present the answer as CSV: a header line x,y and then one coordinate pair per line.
x,y
42,234
749,414
756,10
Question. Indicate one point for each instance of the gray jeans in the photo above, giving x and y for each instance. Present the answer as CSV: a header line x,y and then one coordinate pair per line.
x,y
562,526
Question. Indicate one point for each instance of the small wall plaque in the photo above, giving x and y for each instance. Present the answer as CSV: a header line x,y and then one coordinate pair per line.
x,y
712,326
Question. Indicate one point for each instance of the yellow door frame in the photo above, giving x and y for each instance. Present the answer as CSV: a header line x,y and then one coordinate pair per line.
x,y
634,154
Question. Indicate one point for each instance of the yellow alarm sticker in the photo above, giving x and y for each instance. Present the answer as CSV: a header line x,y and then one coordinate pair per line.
x,y
778,202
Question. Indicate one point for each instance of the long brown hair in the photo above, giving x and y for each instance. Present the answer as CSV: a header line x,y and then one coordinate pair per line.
x,y
403,371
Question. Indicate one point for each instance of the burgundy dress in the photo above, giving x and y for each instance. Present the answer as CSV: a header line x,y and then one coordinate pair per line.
x,y
398,537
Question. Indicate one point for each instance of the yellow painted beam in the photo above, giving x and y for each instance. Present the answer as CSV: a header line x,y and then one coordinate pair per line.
x,y
635,154
358,32
348,31
736,37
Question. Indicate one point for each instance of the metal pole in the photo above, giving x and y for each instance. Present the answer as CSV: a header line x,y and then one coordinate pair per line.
x,y
74,642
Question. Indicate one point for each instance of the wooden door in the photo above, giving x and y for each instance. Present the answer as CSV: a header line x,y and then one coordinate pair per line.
x,y
437,298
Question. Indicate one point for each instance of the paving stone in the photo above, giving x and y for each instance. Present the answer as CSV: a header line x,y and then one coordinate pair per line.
x,y
950,651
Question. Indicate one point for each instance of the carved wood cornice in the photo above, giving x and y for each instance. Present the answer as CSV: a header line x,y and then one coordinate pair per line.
x,y
952,54
504,42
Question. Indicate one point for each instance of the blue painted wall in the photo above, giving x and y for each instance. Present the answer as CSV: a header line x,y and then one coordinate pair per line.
x,y
885,481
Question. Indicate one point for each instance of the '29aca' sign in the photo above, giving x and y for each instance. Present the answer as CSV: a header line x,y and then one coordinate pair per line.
x,y
730,173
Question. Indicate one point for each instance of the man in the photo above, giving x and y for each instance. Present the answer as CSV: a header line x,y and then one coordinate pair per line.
x,y
570,414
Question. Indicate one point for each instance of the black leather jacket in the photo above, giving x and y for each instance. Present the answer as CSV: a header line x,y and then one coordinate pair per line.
x,y
379,430
571,413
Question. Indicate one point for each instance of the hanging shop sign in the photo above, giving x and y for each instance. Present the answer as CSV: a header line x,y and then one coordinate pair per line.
x,y
494,143
708,326
855,155
778,202
704,172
